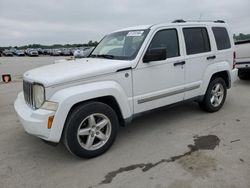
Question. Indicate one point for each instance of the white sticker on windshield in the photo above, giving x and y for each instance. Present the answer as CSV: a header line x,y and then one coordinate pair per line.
x,y
135,33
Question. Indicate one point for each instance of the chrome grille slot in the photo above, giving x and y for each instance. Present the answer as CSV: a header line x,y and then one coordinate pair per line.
x,y
28,93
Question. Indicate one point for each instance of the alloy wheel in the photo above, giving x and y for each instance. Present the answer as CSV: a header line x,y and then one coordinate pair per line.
x,y
217,95
94,131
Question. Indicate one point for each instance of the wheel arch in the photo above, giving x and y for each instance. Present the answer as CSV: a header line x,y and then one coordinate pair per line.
x,y
221,69
224,75
108,100
108,92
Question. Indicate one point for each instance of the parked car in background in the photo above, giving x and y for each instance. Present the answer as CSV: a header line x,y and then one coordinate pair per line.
x,y
83,52
19,53
46,51
12,50
55,52
82,102
31,52
243,59
78,53
7,53
40,51
66,52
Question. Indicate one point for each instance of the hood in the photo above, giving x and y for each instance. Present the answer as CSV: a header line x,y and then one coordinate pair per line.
x,y
74,70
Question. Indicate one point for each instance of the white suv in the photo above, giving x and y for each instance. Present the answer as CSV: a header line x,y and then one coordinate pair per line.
x,y
82,102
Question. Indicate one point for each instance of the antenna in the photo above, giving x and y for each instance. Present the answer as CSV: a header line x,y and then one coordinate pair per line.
x,y
200,16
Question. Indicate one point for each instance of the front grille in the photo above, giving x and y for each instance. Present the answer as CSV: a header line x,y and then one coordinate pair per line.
x,y
28,93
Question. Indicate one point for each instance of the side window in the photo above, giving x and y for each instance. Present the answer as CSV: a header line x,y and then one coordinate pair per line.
x,y
196,40
221,38
166,39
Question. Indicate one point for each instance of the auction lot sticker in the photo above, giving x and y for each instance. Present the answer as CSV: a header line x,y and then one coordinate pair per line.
x,y
135,33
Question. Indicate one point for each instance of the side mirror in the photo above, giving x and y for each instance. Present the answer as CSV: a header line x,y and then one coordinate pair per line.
x,y
155,54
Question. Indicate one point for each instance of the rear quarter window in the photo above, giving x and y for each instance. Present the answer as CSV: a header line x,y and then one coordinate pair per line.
x,y
221,37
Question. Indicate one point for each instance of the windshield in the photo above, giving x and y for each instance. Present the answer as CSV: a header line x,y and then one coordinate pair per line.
x,y
122,45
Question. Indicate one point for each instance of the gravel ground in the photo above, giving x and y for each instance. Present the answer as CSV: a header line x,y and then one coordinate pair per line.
x,y
175,147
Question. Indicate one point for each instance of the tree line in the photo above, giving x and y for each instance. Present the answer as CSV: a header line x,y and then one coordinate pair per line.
x,y
53,46
241,37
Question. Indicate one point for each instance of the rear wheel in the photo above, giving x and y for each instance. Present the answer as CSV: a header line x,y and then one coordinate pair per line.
x,y
91,129
215,95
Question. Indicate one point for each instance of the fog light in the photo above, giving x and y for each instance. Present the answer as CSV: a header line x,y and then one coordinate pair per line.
x,y
50,121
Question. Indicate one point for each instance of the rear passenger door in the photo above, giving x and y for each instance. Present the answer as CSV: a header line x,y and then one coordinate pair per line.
x,y
198,55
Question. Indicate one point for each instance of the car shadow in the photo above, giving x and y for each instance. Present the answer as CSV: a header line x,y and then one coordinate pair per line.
x,y
159,118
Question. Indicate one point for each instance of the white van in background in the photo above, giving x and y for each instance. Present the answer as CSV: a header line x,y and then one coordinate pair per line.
x,y
243,58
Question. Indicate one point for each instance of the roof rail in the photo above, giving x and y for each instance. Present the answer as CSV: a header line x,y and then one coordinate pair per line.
x,y
179,21
183,21
219,21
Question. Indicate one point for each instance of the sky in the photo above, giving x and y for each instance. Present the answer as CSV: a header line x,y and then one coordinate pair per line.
x,y
78,21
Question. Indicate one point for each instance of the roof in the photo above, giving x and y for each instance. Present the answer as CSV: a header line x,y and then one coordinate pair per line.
x,y
187,23
140,27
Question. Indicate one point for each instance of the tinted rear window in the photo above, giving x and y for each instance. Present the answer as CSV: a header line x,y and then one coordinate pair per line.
x,y
196,40
221,38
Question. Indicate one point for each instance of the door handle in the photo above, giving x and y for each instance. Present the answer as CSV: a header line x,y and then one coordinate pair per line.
x,y
211,57
179,63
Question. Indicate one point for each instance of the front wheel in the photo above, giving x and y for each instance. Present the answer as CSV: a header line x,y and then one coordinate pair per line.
x,y
90,129
215,95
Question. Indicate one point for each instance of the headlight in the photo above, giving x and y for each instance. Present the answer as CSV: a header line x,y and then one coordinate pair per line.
x,y
38,95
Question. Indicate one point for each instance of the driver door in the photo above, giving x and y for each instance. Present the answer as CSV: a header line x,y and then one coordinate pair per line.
x,y
159,83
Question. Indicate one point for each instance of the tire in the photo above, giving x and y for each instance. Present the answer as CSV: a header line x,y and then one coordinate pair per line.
x,y
90,129
244,74
243,77
214,100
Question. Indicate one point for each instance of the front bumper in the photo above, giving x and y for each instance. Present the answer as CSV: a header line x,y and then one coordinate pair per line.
x,y
34,122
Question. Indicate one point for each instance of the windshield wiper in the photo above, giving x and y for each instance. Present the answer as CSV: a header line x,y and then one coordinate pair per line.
x,y
103,56
92,55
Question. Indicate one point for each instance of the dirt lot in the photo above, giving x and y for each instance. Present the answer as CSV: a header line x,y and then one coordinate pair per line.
x,y
177,147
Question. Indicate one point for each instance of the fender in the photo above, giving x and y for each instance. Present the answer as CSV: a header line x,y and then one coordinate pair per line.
x,y
225,66
68,97
213,69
